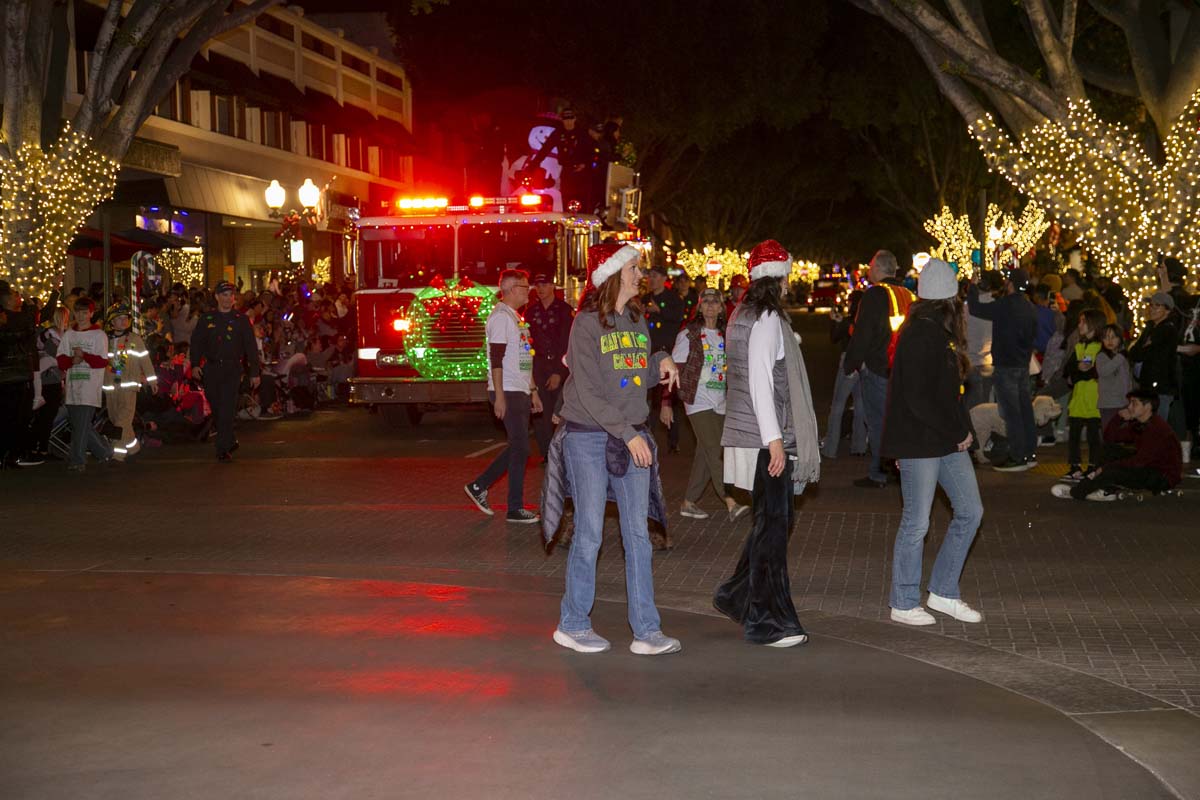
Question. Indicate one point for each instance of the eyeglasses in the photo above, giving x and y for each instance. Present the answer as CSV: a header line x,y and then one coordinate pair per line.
x,y
520,285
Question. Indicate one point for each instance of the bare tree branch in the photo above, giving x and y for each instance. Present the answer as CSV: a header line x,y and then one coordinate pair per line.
x,y
1063,75
108,27
1070,11
1116,82
980,61
129,40
16,26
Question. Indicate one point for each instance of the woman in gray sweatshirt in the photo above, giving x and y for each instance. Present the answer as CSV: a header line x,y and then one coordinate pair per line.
x,y
606,450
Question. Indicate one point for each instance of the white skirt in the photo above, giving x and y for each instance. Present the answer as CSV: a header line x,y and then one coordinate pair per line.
x,y
740,465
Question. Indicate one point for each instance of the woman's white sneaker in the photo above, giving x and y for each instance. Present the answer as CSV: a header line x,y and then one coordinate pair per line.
x,y
913,616
582,642
789,641
954,608
655,644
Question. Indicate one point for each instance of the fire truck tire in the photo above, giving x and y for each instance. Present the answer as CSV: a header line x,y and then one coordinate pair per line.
x,y
401,415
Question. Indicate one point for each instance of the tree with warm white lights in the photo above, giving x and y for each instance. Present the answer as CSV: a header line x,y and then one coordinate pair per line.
x,y
1129,192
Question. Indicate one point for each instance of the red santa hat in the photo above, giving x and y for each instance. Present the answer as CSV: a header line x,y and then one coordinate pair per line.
x,y
769,260
606,259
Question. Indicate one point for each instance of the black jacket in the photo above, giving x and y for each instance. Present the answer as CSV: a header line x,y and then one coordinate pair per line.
x,y
924,416
1014,326
873,330
18,347
666,322
225,338
1155,351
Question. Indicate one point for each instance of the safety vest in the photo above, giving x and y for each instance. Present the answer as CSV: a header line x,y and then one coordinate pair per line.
x,y
900,300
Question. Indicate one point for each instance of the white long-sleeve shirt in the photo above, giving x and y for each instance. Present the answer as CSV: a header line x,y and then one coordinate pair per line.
x,y
766,347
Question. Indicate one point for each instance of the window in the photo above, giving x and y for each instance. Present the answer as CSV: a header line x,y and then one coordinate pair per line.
x,y
168,107
407,255
388,79
354,153
316,140
275,26
486,249
310,42
355,63
272,129
222,115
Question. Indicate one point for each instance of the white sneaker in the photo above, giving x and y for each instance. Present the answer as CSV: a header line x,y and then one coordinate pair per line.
x,y
582,642
655,644
789,641
1103,496
954,608
1061,490
913,616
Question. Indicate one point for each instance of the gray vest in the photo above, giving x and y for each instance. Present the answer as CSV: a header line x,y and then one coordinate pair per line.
x,y
741,425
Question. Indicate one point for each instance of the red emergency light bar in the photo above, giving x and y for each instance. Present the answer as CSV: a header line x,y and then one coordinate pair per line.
x,y
523,202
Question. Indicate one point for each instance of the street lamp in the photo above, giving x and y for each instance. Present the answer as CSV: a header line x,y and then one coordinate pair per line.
x,y
309,193
276,196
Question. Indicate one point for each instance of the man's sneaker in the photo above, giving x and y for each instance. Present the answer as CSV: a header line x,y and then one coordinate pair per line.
x,y
582,642
1012,465
870,483
523,516
1046,441
737,512
479,498
30,460
913,616
655,644
954,608
1075,475
789,641
692,510
1103,496
1061,491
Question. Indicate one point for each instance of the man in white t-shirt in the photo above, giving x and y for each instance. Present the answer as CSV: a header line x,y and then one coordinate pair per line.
x,y
513,396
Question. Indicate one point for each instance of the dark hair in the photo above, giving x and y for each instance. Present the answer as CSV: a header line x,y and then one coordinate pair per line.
x,y
604,301
1116,331
1095,320
1074,273
1144,396
949,314
763,296
85,302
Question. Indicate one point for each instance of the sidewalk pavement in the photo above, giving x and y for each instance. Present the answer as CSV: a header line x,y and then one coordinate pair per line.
x,y
150,685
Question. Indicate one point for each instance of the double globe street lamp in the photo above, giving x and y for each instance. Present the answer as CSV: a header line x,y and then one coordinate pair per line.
x,y
309,195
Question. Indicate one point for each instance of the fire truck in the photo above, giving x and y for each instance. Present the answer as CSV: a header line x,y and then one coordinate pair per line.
x,y
428,279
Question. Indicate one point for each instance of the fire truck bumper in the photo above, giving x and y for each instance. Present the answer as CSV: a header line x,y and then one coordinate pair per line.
x,y
368,391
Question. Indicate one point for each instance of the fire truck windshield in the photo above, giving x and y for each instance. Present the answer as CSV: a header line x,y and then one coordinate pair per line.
x,y
408,256
486,249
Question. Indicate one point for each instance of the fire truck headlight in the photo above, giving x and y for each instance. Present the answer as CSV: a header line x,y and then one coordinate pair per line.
x,y
401,325
391,359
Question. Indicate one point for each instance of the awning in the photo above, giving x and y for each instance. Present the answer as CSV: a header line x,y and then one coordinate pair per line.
x,y
153,240
286,96
319,107
218,192
89,243
391,133
221,75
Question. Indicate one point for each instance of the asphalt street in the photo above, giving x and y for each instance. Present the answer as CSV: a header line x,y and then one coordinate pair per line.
x,y
329,616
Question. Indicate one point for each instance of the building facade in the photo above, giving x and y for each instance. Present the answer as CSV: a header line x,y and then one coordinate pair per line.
x,y
279,99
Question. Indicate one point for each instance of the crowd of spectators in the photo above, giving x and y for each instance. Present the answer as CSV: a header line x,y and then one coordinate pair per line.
x,y
304,335
1057,355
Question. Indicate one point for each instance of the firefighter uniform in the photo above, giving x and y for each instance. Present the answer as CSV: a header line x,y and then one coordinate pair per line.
x,y
223,345
129,369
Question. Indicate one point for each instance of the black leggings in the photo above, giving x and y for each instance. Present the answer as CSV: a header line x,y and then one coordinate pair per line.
x,y
1095,449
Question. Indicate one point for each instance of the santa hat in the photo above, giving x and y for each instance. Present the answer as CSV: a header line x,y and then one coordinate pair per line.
x,y
607,258
769,260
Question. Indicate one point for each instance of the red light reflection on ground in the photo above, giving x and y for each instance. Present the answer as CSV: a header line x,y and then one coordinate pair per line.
x,y
448,683
440,594
382,623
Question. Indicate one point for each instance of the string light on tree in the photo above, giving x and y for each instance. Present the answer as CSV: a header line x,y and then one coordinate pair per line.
x,y
956,241
45,195
184,265
322,269
725,263
1009,239
1097,177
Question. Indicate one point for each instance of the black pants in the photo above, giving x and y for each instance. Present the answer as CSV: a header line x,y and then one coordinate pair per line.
x,y
1190,389
16,408
543,424
221,384
758,594
43,418
512,458
1136,478
1095,448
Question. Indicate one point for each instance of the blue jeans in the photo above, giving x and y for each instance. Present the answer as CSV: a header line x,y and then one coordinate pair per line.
x,y
844,387
583,452
1016,409
874,395
512,458
84,436
919,479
